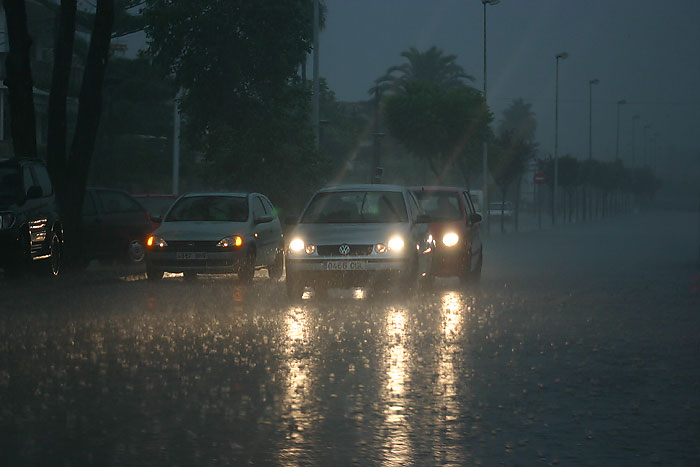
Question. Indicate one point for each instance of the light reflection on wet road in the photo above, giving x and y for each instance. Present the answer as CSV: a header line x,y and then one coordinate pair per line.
x,y
554,361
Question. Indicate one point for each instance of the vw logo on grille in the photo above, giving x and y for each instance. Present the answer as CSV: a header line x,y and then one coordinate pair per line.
x,y
344,250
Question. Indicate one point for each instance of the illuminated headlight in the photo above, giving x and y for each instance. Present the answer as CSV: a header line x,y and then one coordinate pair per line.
x,y
232,241
155,241
450,239
310,249
6,220
296,245
396,243
380,248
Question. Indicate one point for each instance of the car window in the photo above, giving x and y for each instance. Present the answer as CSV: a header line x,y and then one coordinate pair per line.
x,y
42,176
209,208
440,205
258,208
269,207
356,207
115,202
28,179
413,206
89,208
10,183
468,203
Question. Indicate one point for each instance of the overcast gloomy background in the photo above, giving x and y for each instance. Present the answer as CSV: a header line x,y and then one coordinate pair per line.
x,y
644,51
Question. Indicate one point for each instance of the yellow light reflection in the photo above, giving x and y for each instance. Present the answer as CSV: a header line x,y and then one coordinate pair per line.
x,y
394,395
296,395
452,310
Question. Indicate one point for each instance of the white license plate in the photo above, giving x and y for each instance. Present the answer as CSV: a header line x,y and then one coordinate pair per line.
x,y
191,255
346,265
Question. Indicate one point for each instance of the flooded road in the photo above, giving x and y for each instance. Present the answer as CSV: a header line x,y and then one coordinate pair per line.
x,y
580,346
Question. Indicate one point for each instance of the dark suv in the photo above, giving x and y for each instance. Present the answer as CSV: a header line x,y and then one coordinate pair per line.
x,y
30,228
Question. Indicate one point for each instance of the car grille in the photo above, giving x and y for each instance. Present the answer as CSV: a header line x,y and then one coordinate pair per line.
x,y
355,250
193,246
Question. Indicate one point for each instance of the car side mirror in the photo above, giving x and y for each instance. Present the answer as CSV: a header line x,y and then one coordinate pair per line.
x,y
34,192
290,220
263,219
474,218
423,219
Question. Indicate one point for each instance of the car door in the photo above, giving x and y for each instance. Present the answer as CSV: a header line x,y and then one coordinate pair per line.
x,y
121,221
474,228
264,232
276,239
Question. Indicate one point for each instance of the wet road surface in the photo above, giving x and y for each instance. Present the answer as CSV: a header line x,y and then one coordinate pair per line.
x,y
580,346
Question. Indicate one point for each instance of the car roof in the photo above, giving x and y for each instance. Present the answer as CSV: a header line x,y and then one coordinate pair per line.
x,y
438,188
211,193
363,187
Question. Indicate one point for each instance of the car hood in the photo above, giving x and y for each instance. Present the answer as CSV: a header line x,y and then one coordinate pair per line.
x,y
352,234
7,204
200,230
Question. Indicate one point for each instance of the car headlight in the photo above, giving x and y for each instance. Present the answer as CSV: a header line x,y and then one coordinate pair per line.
x,y
231,241
296,245
6,220
380,248
450,239
396,243
154,241
310,249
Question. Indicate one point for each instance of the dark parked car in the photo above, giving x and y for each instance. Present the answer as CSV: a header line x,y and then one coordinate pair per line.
x,y
30,227
115,226
456,227
156,205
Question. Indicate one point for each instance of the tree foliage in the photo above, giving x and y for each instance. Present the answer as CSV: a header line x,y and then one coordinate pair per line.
x,y
442,126
245,108
431,66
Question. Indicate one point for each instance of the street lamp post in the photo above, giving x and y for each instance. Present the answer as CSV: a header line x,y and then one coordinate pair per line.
x,y
645,143
316,85
590,116
484,203
562,56
617,137
635,119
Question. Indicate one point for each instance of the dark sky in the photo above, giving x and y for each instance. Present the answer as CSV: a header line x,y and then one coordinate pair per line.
x,y
645,51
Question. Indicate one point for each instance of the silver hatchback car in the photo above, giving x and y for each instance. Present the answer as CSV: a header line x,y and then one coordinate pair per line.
x,y
359,235
217,233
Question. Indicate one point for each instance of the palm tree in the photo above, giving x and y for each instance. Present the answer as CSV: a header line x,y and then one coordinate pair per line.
x,y
519,119
431,66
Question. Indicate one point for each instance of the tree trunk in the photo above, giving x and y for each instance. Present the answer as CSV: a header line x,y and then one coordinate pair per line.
x,y
87,124
57,127
19,80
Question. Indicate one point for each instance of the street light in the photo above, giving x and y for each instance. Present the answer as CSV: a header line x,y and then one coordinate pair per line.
x,y
617,137
562,56
590,116
485,201
635,118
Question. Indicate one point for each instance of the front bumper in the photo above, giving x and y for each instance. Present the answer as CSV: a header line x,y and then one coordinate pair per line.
x,y
449,261
346,272
213,262
10,247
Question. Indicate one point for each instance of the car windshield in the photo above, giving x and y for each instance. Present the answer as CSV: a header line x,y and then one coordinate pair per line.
x,y
355,207
440,205
10,183
209,208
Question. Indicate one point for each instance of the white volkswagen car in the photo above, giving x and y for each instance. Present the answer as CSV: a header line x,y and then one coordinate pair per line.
x,y
358,235
217,233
